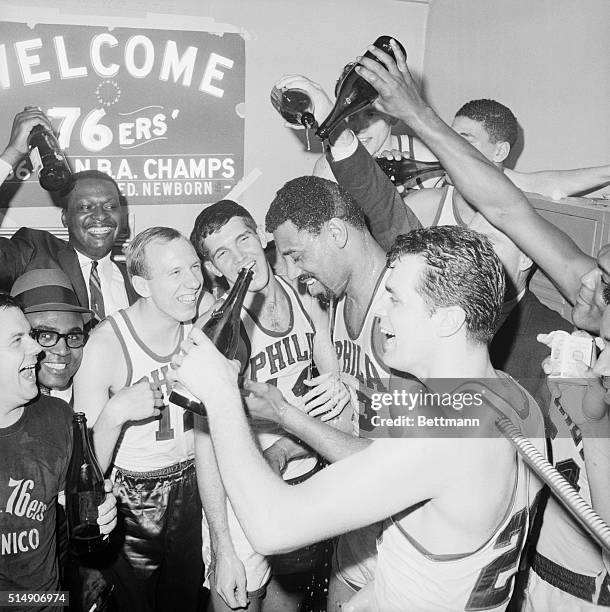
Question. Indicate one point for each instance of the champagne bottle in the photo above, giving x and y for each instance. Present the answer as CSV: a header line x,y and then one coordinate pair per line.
x,y
294,105
222,328
354,93
408,171
84,491
45,153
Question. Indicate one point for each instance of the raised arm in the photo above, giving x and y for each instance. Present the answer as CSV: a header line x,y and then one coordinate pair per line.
x,y
357,172
328,503
478,181
561,183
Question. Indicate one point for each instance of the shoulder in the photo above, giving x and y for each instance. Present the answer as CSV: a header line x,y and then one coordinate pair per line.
x,y
34,236
424,203
51,416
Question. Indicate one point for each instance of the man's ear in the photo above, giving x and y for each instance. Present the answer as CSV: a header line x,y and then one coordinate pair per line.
x,y
450,320
338,231
212,269
140,284
502,151
63,217
262,236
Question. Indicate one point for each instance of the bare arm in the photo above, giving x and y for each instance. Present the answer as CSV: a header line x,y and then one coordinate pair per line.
x,y
103,371
478,181
562,183
229,573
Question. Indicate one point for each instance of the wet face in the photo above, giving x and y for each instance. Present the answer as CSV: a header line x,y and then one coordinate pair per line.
x,y
313,259
592,298
58,364
93,217
407,327
476,134
372,129
174,278
18,356
232,247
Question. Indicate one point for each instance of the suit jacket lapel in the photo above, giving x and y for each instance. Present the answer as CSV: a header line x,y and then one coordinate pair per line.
x,y
69,263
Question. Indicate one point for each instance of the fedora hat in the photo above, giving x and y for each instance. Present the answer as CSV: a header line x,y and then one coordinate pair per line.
x,y
42,290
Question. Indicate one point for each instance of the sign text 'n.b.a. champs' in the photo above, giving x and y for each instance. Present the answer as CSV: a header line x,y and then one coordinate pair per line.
x,y
142,105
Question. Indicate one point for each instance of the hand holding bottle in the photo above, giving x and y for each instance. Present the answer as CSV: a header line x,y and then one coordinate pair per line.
x,y
320,101
107,512
203,369
23,123
398,94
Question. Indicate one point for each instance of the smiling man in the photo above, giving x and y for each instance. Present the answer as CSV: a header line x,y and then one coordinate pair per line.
x,y
58,322
148,445
93,214
441,302
35,447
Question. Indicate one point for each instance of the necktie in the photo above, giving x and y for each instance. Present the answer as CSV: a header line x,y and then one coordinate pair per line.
x,y
95,290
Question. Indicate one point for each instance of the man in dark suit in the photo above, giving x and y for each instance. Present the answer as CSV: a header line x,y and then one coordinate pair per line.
x,y
92,211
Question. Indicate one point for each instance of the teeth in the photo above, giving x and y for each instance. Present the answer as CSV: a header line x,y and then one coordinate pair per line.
x,y
99,231
28,372
310,281
55,366
186,299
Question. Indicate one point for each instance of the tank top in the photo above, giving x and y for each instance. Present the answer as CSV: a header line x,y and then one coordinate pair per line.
x,y
411,578
360,362
562,539
153,443
283,359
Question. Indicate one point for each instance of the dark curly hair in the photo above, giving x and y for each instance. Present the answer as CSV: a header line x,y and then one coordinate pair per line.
x,y
462,269
309,202
498,120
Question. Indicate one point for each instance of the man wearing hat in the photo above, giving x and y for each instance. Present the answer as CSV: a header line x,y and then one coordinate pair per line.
x,y
35,447
52,309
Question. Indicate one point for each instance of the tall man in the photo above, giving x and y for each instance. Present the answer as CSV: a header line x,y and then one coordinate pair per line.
x,y
36,435
570,570
322,234
443,297
281,340
149,445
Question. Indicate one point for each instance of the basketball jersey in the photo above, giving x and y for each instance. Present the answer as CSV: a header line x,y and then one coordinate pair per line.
x,y
360,362
283,359
154,443
562,539
411,578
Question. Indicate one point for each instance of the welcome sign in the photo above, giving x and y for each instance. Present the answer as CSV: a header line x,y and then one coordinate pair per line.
x,y
161,111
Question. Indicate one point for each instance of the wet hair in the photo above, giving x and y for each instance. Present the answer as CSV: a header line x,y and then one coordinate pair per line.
x,y
136,252
309,202
498,120
462,269
215,217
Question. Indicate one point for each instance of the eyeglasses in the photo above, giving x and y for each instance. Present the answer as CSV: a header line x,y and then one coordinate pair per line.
x,y
47,338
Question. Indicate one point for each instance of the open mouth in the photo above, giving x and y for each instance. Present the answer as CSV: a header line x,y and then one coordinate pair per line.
x,y
58,367
28,372
188,298
387,335
100,231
